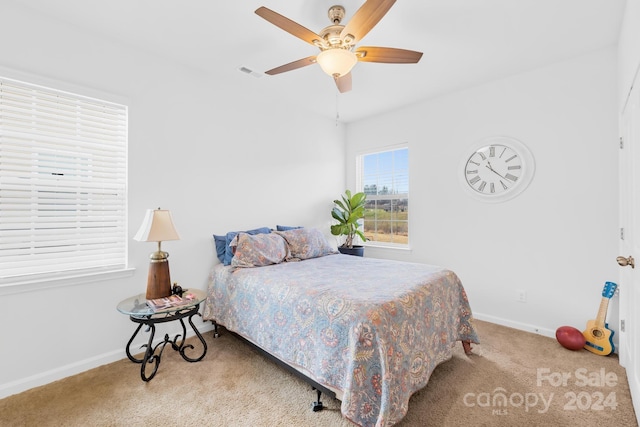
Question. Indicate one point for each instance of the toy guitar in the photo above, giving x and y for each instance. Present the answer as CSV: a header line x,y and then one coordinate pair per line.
x,y
598,335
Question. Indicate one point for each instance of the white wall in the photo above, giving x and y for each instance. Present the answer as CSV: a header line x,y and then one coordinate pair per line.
x,y
557,240
217,156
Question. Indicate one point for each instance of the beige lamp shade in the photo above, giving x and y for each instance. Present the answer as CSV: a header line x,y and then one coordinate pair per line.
x,y
157,226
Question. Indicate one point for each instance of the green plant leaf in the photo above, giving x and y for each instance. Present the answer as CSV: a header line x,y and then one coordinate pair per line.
x,y
342,206
358,199
338,215
358,212
338,229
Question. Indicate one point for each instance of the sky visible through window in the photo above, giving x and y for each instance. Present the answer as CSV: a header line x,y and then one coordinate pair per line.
x,y
386,172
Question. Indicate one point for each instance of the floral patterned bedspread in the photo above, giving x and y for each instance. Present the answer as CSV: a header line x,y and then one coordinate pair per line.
x,y
374,329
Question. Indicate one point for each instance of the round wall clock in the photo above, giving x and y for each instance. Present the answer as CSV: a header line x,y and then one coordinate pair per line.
x,y
497,169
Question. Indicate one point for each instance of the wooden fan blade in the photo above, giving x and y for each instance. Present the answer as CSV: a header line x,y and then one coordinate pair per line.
x,y
389,55
344,83
290,26
365,18
292,65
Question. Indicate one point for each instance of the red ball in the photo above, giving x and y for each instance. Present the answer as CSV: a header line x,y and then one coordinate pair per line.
x,y
570,338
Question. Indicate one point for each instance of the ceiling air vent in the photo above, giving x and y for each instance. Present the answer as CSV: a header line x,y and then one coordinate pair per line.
x,y
250,72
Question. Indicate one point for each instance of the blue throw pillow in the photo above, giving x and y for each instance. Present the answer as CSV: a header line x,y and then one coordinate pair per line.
x,y
228,255
221,246
286,227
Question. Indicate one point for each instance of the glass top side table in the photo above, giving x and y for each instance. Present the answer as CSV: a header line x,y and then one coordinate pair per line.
x,y
140,312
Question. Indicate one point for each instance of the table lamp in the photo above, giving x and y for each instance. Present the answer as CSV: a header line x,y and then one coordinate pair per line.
x,y
157,227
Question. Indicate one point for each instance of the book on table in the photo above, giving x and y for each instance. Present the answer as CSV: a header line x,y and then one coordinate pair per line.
x,y
171,301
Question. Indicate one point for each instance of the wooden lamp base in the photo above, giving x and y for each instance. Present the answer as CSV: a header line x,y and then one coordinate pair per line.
x,y
158,281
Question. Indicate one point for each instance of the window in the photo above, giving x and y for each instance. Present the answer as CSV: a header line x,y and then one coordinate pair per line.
x,y
384,177
63,165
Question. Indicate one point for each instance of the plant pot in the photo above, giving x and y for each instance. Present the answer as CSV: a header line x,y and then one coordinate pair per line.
x,y
356,250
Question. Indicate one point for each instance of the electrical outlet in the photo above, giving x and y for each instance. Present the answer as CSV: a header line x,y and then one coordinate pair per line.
x,y
521,296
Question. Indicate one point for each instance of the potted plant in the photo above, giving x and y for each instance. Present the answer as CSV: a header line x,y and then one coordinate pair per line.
x,y
348,212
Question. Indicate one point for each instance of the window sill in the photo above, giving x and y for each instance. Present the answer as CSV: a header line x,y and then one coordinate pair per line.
x,y
31,285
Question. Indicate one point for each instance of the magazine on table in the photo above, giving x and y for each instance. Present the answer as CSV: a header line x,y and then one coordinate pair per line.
x,y
170,302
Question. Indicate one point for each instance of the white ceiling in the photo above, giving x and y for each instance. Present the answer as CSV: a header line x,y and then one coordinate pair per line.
x,y
465,42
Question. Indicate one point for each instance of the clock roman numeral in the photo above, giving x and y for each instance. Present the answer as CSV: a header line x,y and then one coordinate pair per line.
x,y
477,164
474,180
472,171
503,151
482,185
482,155
492,151
514,167
511,158
511,177
492,188
504,186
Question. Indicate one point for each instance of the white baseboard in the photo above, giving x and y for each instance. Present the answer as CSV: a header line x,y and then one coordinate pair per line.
x,y
516,325
75,368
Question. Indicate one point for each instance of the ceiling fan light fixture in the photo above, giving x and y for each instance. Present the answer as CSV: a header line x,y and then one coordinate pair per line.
x,y
336,62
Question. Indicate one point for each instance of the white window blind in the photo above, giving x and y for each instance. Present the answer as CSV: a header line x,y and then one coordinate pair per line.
x,y
63,166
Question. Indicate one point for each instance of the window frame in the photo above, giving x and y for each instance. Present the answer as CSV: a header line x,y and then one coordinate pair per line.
x,y
360,187
11,284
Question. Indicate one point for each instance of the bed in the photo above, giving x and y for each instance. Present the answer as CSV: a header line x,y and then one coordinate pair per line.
x,y
370,330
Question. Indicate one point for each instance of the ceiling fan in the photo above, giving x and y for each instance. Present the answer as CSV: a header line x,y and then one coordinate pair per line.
x,y
337,42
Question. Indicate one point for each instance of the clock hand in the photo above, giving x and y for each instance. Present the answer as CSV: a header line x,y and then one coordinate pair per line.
x,y
493,170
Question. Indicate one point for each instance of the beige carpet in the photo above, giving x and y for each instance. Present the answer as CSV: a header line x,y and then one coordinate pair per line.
x,y
233,386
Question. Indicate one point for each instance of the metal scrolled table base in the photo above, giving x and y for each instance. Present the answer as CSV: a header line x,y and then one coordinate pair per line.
x,y
150,356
